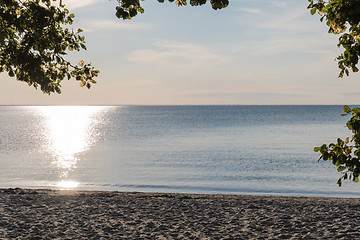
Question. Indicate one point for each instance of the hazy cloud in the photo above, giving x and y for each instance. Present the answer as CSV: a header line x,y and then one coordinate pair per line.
x,y
286,22
214,94
250,10
139,83
116,24
351,94
279,4
289,44
178,55
72,4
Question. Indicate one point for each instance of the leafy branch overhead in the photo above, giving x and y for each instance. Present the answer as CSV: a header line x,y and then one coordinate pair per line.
x,y
342,17
130,8
34,41
345,154
33,44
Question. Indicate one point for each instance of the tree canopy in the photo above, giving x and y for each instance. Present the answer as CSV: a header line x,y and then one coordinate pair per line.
x,y
130,8
345,154
342,17
33,43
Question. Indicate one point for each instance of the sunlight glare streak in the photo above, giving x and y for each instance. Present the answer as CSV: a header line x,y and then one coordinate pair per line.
x,y
70,131
67,184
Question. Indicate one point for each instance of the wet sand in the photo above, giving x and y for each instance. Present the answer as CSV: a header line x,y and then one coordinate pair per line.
x,y
50,214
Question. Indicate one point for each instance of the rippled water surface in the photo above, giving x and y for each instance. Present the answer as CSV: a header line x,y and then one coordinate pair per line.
x,y
201,149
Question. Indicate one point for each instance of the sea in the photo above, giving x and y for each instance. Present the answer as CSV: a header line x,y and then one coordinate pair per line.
x,y
252,150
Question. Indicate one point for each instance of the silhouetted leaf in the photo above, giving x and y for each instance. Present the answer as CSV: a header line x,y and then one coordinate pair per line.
x,y
313,11
346,109
341,168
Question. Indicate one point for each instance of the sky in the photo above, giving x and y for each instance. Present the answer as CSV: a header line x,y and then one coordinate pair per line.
x,y
259,52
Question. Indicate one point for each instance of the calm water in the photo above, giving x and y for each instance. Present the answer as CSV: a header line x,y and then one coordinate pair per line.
x,y
194,149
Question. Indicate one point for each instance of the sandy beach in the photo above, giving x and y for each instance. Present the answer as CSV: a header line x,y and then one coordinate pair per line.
x,y
59,214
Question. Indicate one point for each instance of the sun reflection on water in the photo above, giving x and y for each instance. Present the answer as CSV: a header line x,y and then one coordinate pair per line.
x,y
67,184
70,131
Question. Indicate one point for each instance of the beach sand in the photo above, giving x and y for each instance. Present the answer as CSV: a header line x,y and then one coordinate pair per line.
x,y
50,214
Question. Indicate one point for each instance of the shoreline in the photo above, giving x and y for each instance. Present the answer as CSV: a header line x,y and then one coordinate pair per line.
x,y
73,214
